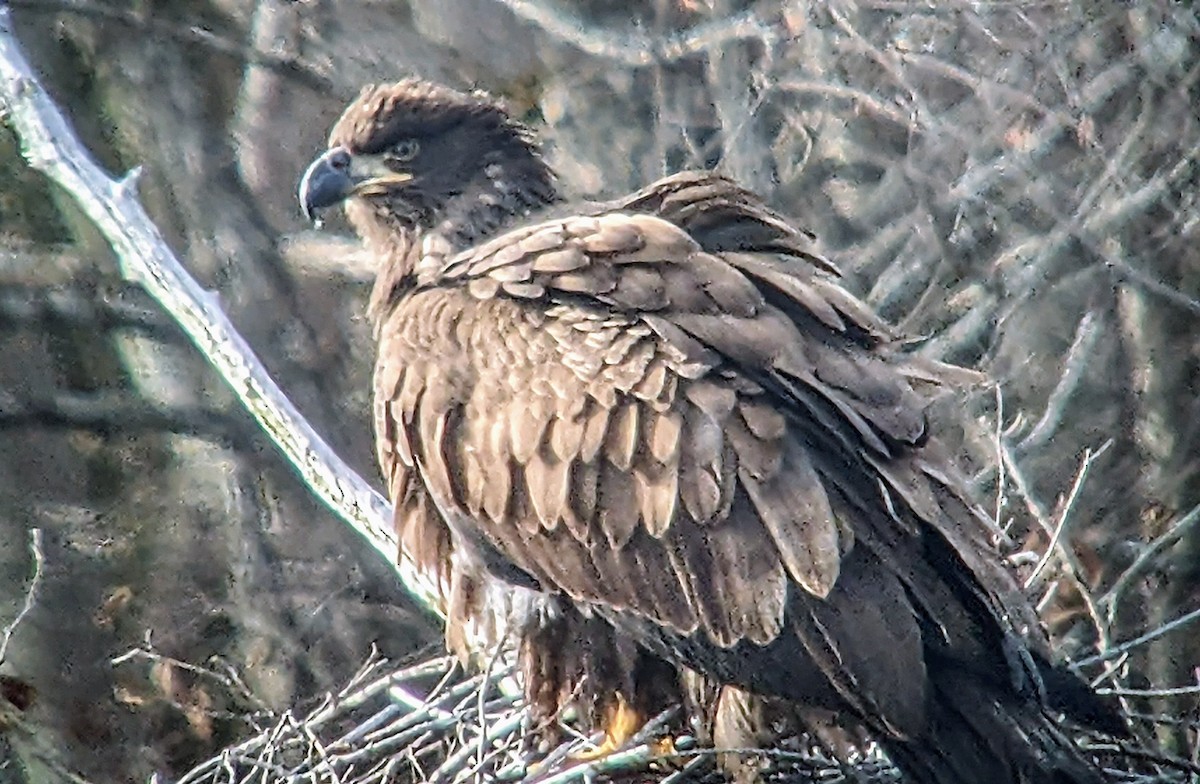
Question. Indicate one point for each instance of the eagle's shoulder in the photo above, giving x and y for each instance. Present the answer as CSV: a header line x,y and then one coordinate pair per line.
x,y
690,242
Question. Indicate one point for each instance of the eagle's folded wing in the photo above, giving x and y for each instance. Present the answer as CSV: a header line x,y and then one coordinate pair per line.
x,y
680,434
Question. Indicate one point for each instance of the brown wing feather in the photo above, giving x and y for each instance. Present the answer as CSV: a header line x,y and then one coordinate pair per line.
x,y
846,633
615,465
667,418
419,528
794,509
421,532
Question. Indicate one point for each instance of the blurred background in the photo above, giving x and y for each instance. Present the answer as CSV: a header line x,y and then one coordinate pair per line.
x,y
1014,183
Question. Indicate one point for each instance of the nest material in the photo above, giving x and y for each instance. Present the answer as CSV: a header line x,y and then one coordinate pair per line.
x,y
431,722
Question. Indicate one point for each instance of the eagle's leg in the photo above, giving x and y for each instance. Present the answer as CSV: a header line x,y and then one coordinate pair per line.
x,y
663,747
621,722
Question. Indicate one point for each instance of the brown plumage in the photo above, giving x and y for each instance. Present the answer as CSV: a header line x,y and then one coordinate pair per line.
x,y
665,420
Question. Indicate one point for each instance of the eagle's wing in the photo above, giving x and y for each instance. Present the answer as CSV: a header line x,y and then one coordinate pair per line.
x,y
680,433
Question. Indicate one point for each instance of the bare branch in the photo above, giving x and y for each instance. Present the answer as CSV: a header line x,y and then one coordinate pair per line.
x,y
630,48
111,412
858,100
641,753
975,82
1074,568
1146,559
1001,476
91,307
1122,270
1137,642
231,681
1057,545
51,147
1172,691
39,560
1087,335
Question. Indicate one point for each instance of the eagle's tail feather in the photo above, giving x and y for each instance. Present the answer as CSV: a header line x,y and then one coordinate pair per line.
x,y
977,736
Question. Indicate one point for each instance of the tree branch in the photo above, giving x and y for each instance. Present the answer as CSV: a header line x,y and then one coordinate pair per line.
x,y
89,307
51,147
632,48
39,560
119,412
143,23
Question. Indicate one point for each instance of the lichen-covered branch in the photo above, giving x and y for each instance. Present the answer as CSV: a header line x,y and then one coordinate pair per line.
x,y
50,146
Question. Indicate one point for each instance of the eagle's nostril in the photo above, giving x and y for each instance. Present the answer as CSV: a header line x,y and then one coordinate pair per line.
x,y
339,160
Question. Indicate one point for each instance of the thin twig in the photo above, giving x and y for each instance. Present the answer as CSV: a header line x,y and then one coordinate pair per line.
x,y
859,100
1135,752
689,771
233,684
1087,334
633,759
96,306
1056,545
1173,691
1146,560
492,731
1001,474
1123,270
1074,568
117,411
484,687
390,683
1137,642
1111,669
39,560
325,766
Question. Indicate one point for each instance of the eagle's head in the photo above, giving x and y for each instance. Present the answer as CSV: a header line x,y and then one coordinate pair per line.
x,y
414,156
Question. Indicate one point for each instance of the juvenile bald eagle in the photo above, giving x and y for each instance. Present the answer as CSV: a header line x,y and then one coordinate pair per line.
x,y
664,418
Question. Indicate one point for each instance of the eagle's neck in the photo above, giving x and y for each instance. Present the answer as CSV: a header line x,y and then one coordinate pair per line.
x,y
507,190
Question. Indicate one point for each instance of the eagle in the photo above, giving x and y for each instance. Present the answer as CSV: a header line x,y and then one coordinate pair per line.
x,y
664,423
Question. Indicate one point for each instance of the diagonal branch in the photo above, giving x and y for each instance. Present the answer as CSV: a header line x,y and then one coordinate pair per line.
x,y
39,562
51,147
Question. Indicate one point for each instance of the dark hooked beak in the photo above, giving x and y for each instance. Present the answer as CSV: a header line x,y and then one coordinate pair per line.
x,y
326,182
337,175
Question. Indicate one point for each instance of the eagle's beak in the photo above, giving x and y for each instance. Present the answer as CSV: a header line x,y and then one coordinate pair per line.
x,y
337,175
326,182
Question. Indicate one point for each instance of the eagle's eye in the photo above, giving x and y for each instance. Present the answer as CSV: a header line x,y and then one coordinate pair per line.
x,y
403,151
